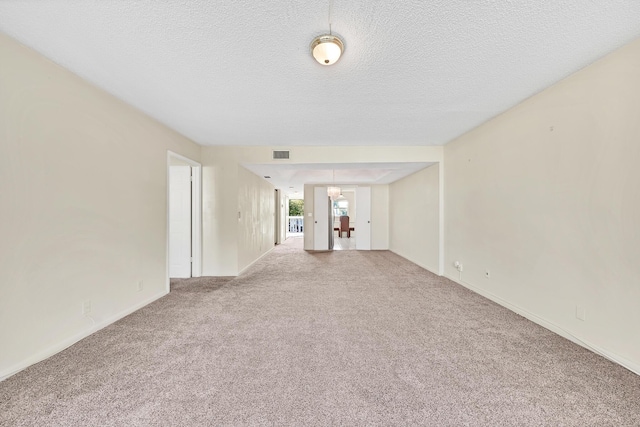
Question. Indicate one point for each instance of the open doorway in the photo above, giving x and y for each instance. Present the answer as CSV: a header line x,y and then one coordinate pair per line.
x,y
184,217
295,217
344,214
352,213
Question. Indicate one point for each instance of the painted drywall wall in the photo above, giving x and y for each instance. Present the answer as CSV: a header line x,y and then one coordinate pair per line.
x,y
256,222
379,217
414,217
545,197
219,212
238,211
83,179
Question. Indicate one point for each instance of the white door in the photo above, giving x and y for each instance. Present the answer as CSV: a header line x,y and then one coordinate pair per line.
x,y
320,219
180,221
363,218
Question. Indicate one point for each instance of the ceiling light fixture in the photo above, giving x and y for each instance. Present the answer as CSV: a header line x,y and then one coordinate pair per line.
x,y
327,49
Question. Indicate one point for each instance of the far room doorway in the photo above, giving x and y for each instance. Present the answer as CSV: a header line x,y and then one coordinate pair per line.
x,y
342,221
344,214
352,213
295,217
184,202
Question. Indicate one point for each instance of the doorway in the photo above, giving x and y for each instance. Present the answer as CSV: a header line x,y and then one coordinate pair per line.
x,y
352,211
344,213
184,217
336,223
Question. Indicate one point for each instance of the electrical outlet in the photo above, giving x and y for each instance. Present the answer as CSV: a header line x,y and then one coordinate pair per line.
x,y
458,265
581,312
487,274
86,307
140,285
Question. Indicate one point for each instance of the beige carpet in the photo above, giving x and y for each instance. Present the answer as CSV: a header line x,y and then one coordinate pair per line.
x,y
343,338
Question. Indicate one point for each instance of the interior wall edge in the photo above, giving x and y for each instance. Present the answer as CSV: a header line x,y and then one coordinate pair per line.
x,y
430,269
244,269
547,324
70,341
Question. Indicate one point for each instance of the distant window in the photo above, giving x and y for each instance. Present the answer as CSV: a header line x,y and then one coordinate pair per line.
x,y
296,207
341,207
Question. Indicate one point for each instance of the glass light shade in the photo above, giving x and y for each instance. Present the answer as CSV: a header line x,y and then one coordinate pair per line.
x,y
333,192
327,49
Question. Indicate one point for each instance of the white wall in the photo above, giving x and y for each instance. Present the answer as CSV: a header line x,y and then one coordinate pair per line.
x,y
545,196
414,217
83,179
256,225
230,244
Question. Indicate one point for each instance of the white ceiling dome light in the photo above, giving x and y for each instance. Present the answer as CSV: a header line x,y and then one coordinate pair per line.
x,y
327,49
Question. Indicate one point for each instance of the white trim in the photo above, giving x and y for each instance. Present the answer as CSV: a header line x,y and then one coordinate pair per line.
x,y
632,366
64,344
196,221
196,212
441,217
254,261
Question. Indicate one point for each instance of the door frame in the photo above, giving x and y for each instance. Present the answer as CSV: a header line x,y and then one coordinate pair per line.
x,y
196,214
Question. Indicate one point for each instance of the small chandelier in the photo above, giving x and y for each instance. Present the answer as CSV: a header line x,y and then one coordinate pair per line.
x,y
333,191
327,49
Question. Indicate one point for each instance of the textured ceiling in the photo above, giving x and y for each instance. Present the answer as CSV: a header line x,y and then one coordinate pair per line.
x,y
239,72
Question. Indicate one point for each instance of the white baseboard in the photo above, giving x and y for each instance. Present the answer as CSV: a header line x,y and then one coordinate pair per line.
x,y
50,351
633,367
254,261
419,264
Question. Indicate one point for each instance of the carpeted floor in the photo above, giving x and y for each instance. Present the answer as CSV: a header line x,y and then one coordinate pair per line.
x,y
342,338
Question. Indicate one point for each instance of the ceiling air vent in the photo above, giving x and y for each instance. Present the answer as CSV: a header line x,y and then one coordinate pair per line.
x,y
280,154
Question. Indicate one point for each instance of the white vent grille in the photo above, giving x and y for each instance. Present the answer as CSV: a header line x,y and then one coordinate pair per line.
x,y
280,154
